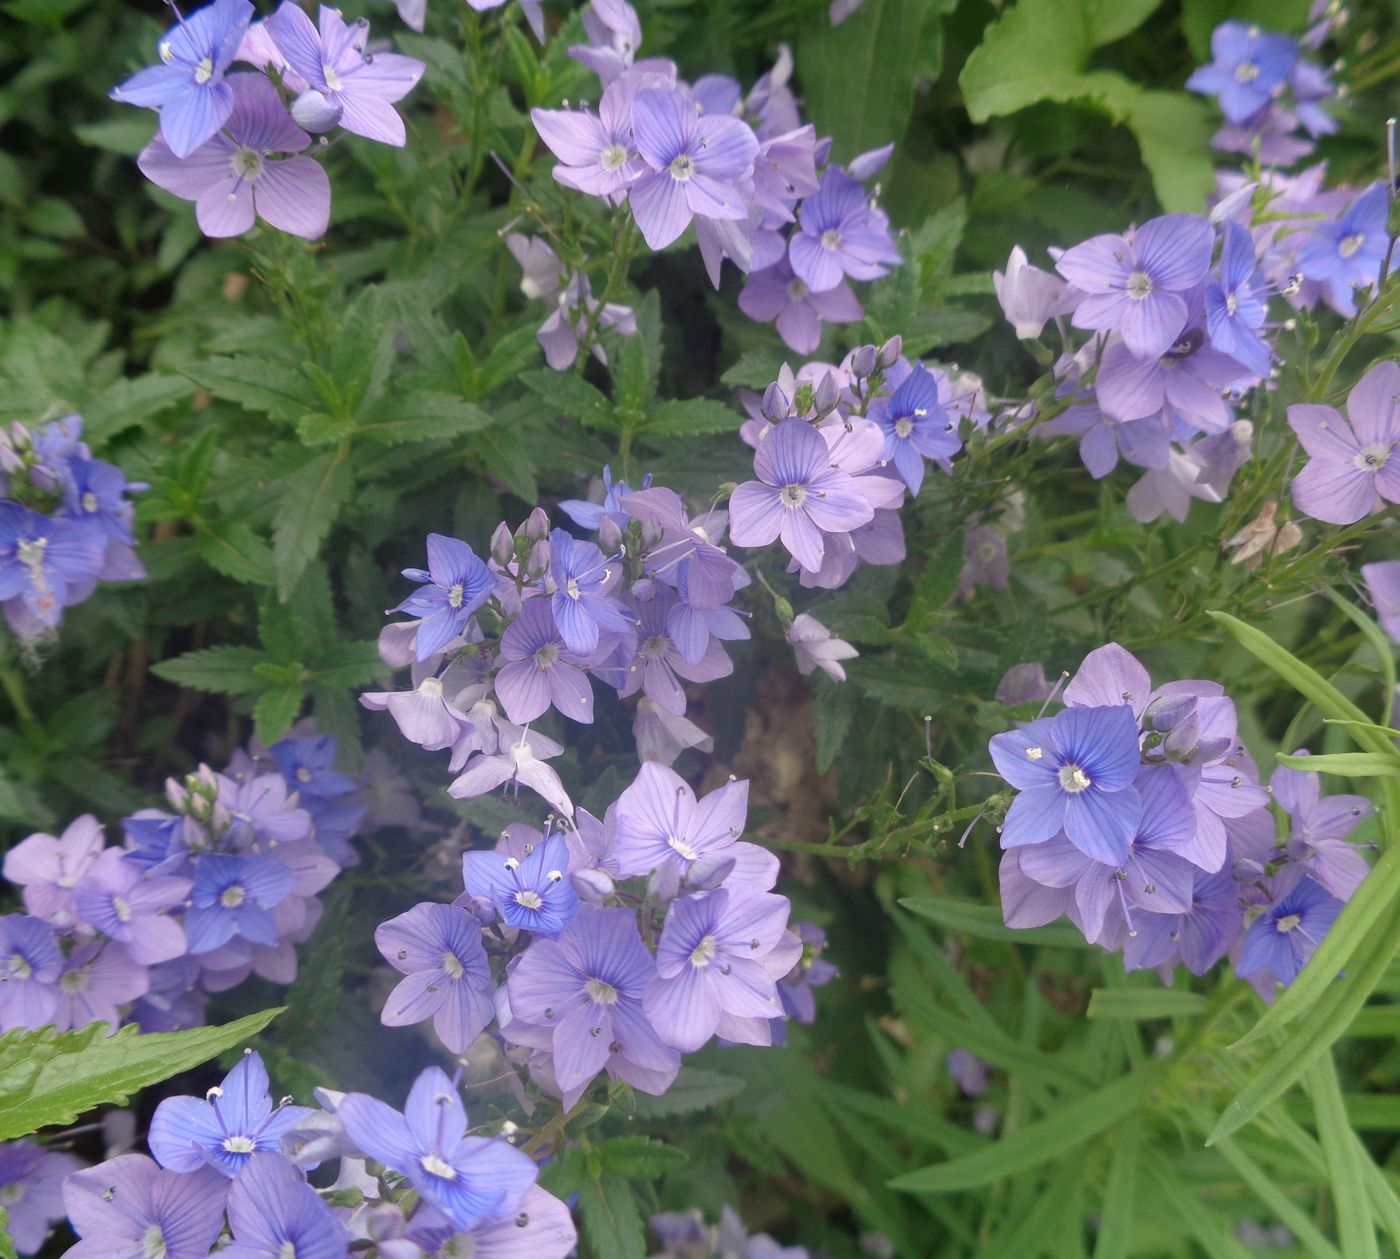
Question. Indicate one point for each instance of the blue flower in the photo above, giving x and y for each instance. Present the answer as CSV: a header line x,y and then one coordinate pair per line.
x,y
1347,254
531,892
188,86
43,561
455,584
1249,69
1286,935
580,585
232,897
308,765
915,426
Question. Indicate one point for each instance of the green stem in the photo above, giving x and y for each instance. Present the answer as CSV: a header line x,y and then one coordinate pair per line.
x,y
14,688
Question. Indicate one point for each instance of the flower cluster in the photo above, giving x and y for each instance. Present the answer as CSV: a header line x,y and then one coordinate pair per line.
x,y
233,1161
1140,816
1267,89
222,886
613,944
235,144
65,524
756,182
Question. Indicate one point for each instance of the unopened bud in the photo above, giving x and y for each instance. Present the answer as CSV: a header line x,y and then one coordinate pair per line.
x,y
592,886
538,563
891,350
314,113
609,535
503,544
776,404
827,394
864,360
664,883
536,524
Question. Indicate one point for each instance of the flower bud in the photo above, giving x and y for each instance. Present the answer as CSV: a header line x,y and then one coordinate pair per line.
x,y
538,563
502,544
891,350
827,394
664,883
609,535
314,113
864,360
536,525
776,404
592,886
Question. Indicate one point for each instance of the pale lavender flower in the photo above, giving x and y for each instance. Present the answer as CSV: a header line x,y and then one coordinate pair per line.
x,y
129,1207
530,891
469,1179
232,176
30,964
333,61
447,978
188,87
120,900
586,988
1235,308
98,979
423,715
1186,381
541,672
1383,583
45,565
660,822
697,164
597,154
1135,283
455,583
654,661
817,647
1354,465
662,736
31,1187
223,1129
1200,937
273,1214
541,1228
1319,827
915,427
777,294
840,234
261,811
1030,297
49,869
614,35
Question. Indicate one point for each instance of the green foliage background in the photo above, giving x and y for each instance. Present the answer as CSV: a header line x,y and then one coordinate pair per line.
x,y
305,415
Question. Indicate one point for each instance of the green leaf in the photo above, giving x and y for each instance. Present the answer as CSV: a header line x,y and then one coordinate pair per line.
x,y
694,1089
756,369
571,397
1355,1229
130,402
311,499
423,417
611,1221
7,1242
835,707
215,670
689,417
985,922
1056,1133
1348,764
636,1158
637,363
275,712
506,456
257,384
48,1078
509,357
363,352
1120,1194
348,664
1143,1003
232,548
126,133
939,580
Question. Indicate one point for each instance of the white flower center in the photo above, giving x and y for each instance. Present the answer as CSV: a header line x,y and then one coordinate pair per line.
x,y
793,495
240,1145
74,980
204,71
1372,458
1289,922
431,688
153,1243
453,967
796,290
600,992
11,1193
246,163
572,589
1232,303
233,896
436,1166
529,899
1246,72
288,1251
454,595
1073,779
613,158
547,656
682,168
1350,244
122,908
831,239
89,501
703,953
681,848
903,426
332,78
19,968
30,553
1139,285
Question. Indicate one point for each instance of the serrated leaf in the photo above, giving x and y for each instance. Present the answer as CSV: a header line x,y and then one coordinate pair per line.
x,y
509,357
611,1221
423,417
506,456
572,397
694,1089
756,369
215,670
636,1158
311,500
232,548
348,664
130,402
363,352
939,581
690,417
275,712
1056,1133
835,707
48,1078
257,384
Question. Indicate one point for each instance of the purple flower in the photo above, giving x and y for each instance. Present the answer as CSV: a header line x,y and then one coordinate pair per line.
x,y
580,585
520,762
1354,464
438,949
1200,937
455,584
1249,70
1075,773
1318,829
590,515
1187,381
809,972
308,765
468,1179
31,1187
686,553
1029,296
717,965
121,901
915,427
660,822
334,62
1235,311
188,86
1382,581
817,647
662,736
541,671
587,989
597,154
799,495
50,869
542,1228
423,715
128,1207
232,897
259,811
223,1129
658,662
776,293
530,893
1134,283
1347,254
273,1213
614,35
232,177
45,563
1154,876
697,163
98,979
840,234
30,964
1282,939
95,494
